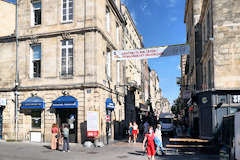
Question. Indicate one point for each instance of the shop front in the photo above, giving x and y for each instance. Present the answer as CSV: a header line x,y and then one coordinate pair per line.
x,y
66,113
33,107
213,107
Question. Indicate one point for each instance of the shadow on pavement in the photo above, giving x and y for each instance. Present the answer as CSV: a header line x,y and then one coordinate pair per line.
x,y
137,153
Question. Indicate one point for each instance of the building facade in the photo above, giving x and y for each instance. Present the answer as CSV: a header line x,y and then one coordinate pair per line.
x,y
63,68
213,32
133,72
9,21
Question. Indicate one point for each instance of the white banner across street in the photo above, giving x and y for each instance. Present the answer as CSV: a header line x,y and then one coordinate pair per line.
x,y
147,53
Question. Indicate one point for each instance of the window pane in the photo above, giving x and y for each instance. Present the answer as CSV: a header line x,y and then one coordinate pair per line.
x,y
36,5
70,62
64,52
37,17
70,42
70,17
36,52
70,4
70,10
64,5
70,51
36,119
64,11
64,61
37,68
63,42
64,69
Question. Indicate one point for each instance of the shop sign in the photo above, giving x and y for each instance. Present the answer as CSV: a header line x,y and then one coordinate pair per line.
x,y
3,101
109,104
92,124
236,99
204,100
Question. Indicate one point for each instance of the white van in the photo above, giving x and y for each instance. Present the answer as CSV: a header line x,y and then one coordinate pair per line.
x,y
166,121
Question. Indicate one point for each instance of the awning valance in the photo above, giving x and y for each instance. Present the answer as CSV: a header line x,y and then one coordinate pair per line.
x,y
34,102
65,102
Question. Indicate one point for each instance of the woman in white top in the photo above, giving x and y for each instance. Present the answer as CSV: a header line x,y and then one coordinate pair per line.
x,y
135,131
158,134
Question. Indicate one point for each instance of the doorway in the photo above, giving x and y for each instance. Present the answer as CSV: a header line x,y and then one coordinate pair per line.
x,y
68,116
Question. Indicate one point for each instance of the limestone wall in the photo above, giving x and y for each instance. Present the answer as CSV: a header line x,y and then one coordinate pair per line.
x,y
226,20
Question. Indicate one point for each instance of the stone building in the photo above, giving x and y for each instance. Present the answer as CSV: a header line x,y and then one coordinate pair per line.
x,y
7,22
133,72
154,87
213,31
63,68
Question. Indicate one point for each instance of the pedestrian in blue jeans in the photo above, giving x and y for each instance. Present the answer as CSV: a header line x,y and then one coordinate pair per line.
x,y
158,139
65,138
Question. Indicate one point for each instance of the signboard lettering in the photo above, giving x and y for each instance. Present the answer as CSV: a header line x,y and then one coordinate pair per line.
x,y
236,98
151,52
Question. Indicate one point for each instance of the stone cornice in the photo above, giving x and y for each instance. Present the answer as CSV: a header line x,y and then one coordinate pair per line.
x,y
116,10
80,86
12,38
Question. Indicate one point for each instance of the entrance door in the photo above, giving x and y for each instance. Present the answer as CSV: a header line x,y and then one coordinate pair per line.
x,y
0,123
68,116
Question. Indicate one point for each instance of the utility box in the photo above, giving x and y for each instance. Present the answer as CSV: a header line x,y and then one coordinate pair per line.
x,y
35,136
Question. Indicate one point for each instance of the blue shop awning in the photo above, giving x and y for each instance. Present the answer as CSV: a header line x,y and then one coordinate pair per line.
x,y
65,102
33,103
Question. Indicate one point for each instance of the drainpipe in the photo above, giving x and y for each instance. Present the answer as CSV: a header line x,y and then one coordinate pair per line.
x,y
17,78
84,61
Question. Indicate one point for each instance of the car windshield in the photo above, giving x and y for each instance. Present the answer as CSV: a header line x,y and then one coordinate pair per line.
x,y
165,120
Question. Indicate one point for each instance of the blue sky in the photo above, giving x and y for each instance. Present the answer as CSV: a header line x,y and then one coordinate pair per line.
x,y
161,22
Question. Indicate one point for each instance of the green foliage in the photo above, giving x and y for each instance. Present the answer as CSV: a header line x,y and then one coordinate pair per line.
x,y
178,105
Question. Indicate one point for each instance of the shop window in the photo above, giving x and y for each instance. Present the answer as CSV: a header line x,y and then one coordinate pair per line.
x,y
67,58
67,10
36,12
222,99
36,119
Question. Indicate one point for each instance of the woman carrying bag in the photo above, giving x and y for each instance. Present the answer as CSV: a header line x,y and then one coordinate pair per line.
x,y
149,137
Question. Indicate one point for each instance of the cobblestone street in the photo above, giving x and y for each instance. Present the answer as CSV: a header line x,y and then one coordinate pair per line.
x,y
120,150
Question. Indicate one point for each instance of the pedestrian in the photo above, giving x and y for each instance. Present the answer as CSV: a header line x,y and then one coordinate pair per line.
x,y
145,125
135,131
149,138
65,138
179,130
55,131
158,139
130,129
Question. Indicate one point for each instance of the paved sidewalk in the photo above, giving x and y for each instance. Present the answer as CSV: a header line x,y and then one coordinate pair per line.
x,y
120,150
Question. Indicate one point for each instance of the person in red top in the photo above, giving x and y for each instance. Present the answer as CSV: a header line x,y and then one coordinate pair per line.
x,y
55,132
149,137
